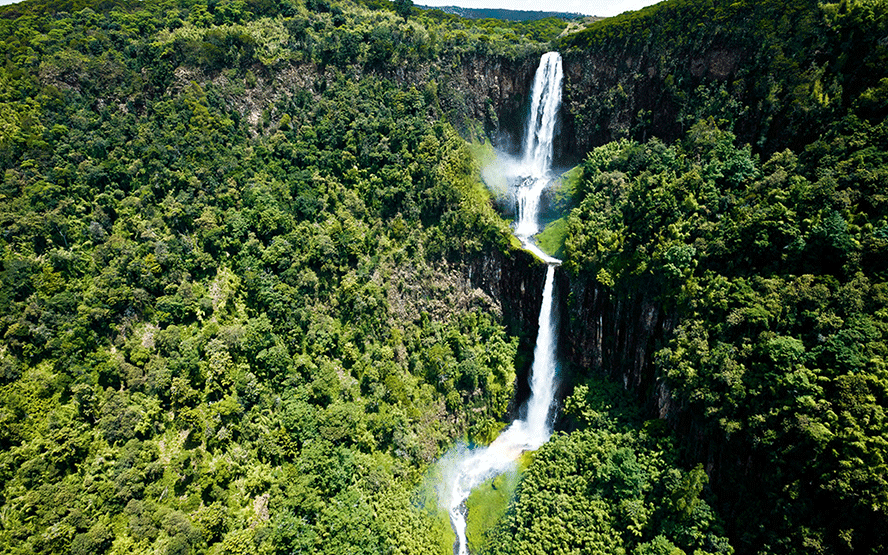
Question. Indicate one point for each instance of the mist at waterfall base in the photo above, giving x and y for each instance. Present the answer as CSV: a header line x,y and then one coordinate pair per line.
x,y
464,468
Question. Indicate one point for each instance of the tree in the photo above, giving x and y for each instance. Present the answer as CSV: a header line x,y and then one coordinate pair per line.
x,y
403,8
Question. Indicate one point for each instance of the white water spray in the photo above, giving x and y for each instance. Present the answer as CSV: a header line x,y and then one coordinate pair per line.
x,y
545,103
535,429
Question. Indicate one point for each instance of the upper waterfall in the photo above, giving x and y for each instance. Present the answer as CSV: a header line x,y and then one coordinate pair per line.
x,y
545,103
536,164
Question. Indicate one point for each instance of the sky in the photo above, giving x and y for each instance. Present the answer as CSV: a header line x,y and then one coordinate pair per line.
x,y
602,8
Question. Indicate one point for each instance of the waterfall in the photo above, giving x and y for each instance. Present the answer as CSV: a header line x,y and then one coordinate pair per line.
x,y
535,428
545,103
536,164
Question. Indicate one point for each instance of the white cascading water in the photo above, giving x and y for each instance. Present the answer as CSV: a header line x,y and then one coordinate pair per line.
x,y
536,164
535,428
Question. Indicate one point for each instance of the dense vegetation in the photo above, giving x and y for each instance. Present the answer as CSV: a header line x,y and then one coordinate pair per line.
x,y
234,309
776,268
611,485
233,312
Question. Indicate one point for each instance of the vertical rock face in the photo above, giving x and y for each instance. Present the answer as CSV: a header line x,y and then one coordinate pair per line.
x,y
524,294
516,278
610,94
615,337
495,91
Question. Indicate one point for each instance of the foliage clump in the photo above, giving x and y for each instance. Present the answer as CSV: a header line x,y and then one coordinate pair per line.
x,y
611,485
775,272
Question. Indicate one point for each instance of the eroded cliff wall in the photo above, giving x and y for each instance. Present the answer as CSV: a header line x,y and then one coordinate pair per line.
x,y
614,336
611,93
515,278
491,90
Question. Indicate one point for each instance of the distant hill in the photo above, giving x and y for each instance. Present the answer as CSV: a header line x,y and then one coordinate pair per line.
x,y
505,15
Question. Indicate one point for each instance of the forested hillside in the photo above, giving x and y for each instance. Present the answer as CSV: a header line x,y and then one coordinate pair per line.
x,y
235,313
762,259
776,74
253,286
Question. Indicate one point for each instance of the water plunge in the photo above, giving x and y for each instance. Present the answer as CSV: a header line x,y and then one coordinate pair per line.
x,y
545,103
535,168
529,433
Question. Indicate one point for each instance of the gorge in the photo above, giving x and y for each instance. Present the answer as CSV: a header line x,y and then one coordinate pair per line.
x,y
531,177
252,286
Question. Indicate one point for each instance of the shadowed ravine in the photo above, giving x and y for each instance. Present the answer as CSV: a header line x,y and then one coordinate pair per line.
x,y
532,176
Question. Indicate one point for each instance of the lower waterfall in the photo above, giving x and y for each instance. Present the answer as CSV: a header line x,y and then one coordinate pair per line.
x,y
527,434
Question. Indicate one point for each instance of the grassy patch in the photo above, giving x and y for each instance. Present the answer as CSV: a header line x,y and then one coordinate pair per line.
x,y
551,239
515,242
484,152
426,499
488,503
565,189
446,533
492,169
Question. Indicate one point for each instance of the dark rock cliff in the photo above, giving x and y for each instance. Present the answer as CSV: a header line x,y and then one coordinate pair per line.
x,y
611,94
614,336
492,90
515,278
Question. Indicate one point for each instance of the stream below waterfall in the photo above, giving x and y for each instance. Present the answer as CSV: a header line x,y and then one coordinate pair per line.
x,y
533,176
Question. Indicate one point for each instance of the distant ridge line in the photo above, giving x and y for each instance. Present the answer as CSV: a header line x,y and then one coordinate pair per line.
x,y
504,14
